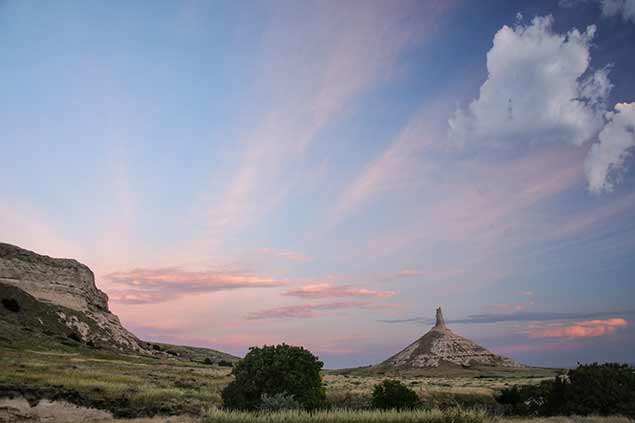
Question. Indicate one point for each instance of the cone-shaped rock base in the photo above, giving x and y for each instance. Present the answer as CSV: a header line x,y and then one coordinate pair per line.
x,y
440,345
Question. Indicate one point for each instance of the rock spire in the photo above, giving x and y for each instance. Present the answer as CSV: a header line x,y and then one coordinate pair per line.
x,y
440,324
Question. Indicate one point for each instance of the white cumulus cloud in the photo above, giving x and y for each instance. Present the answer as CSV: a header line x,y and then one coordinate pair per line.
x,y
605,162
539,89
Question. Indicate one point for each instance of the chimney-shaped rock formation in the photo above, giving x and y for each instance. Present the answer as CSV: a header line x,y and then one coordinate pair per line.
x,y
440,346
440,324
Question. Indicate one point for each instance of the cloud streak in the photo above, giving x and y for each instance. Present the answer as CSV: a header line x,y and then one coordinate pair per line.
x,y
330,291
145,286
288,255
583,329
487,318
309,311
352,50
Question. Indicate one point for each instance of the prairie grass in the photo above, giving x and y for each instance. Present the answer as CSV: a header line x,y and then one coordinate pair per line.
x,y
456,415
571,419
126,385
350,416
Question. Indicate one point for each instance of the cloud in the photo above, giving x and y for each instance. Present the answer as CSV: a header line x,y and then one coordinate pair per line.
x,y
539,89
289,255
610,8
583,329
352,50
506,308
604,164
144,286
392,169
430,274
327,291
624,8
307,311
520,316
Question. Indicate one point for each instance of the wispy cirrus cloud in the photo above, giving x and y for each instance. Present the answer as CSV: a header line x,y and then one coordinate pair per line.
x,y
286,254
327,291
353,50
520,316
582,329
145,286
308,311
430,274
507,308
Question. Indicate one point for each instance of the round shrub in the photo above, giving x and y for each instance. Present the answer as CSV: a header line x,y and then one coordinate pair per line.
x,y
392,394
271,370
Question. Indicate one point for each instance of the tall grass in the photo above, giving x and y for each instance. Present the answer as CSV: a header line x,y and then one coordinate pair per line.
x,y
350,416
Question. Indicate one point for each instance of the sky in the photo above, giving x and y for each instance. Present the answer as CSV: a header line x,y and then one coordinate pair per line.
x,y
326,174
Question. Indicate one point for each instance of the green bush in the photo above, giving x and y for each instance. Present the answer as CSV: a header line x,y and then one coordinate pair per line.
x,y
602,389
278,402
271,370
590,389
392,394
348,400
527,400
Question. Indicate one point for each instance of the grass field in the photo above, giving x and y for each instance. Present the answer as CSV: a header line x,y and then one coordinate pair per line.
x,y
372,417
134,386
129,386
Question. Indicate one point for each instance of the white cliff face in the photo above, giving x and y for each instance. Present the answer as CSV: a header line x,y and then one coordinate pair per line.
x,y
441,345
66,283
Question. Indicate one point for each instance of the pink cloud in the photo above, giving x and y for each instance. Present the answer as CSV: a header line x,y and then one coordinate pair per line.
x,y
353,50
289,255
308,311
327,290
584,329
143,286
481,209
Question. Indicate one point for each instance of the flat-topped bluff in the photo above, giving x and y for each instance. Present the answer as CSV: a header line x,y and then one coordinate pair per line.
x,y
47,299
442,346
65,282
71,285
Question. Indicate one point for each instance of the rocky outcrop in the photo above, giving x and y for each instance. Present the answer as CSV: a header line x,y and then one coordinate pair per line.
x,y
65,282
70,285
441,346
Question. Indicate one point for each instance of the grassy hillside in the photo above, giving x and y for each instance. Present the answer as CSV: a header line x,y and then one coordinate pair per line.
x,y
127,385
26,323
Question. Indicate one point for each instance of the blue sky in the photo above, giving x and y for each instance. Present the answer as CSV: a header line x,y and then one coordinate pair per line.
x,y
327,173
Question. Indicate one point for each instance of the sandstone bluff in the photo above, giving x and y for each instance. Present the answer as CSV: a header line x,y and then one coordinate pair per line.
x,y
441,346
49,300
70,284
